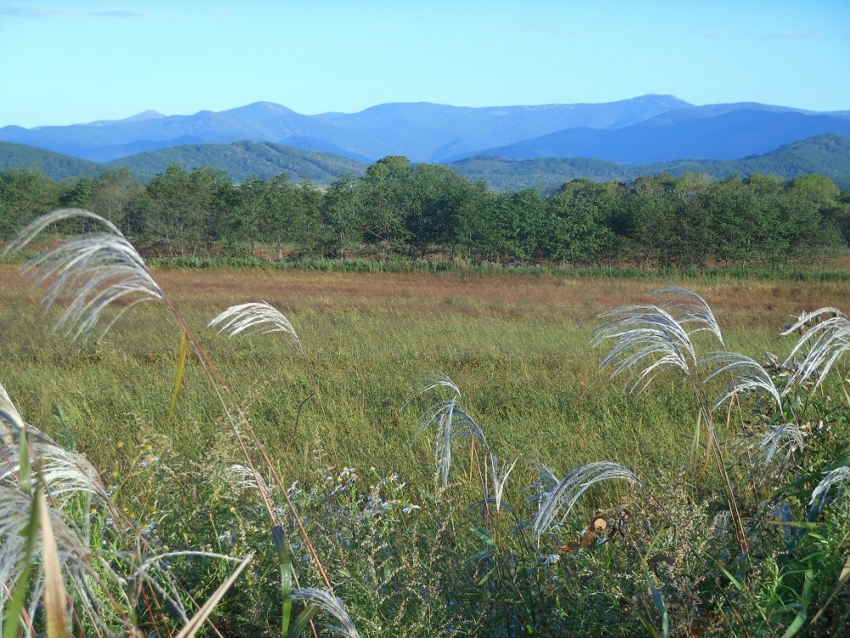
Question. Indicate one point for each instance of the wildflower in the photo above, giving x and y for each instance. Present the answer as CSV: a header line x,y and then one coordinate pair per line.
x,y
119,444
407,509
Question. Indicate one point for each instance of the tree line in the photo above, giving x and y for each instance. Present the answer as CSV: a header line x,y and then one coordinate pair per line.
x,y
427,211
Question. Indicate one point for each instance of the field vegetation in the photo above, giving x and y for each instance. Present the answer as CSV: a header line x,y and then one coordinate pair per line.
x,y
412,451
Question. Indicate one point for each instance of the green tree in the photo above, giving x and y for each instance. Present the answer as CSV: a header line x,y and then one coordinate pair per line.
x,y
386,197
112,194
437,196
25,194
185,213
579,234
342,213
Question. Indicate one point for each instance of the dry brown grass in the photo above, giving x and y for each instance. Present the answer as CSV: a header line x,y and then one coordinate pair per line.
x,y
755,303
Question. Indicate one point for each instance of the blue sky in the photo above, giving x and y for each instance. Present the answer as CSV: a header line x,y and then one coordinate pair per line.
x,y
64,62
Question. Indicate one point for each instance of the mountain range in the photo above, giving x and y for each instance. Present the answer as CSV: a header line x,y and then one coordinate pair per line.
x,y
827,154
646,129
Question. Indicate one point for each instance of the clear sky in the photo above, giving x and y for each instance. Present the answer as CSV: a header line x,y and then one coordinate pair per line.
x,y
73,61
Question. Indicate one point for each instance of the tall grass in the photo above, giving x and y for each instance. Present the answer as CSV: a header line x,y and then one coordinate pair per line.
x,y
704,498
98,270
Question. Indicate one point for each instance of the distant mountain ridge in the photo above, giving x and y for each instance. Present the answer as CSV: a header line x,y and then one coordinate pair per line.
x,y
649,128
827,154
680,134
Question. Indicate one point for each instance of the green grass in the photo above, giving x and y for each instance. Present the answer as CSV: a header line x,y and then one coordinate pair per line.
x,y
534,384
519,350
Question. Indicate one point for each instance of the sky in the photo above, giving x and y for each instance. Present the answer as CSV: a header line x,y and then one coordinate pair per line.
x,y
66,62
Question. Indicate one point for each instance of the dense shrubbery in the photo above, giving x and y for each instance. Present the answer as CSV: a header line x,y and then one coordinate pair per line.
x,y
430,212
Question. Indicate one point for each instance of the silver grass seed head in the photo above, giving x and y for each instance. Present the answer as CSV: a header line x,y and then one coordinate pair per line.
x,y
787,436
95,269
329,603
450,422
749,375
500,478
64,473
565,494
253,317
649,338
688,308
9,413
835,477
433,382
249,479
825,341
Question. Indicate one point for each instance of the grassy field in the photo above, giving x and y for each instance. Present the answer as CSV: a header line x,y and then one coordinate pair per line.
x,y
518,347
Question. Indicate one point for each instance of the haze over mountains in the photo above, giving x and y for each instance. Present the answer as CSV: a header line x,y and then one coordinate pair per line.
x,y
827,154
647,129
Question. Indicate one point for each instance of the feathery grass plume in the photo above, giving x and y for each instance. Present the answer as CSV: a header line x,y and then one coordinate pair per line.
x,y
656,336
63,473
99,268
500,478
827,336
89,573
250,479
687,307
452,423
8,411
326,601
835,477
576,483
750,375
787,435
432,382
260,318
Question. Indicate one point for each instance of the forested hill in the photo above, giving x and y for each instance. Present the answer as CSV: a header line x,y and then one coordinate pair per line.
x,y
827,154
56,166
240,161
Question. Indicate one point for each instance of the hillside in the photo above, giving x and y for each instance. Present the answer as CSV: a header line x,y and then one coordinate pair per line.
x,y
827,154
54,165
242,160
239,160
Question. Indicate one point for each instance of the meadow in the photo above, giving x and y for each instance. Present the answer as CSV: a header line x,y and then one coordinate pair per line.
x,y
340,416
